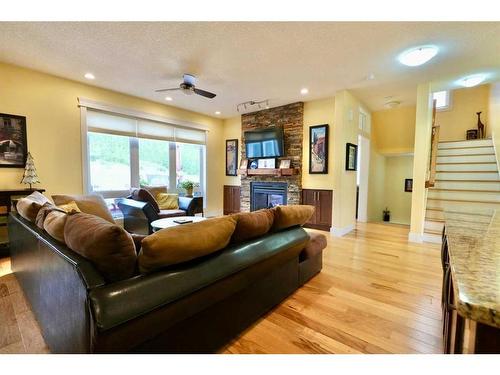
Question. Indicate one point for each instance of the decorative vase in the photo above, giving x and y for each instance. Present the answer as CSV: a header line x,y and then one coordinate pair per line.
x,y
387,216
189,193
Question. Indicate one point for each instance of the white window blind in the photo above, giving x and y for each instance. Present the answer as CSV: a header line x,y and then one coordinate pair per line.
x,y
103,122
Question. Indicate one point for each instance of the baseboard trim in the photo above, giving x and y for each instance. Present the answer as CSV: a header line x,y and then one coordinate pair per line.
x,y
340,232
415,237
318,226
432,238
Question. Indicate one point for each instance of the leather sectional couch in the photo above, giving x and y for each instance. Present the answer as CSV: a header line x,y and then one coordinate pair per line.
x,y
195,307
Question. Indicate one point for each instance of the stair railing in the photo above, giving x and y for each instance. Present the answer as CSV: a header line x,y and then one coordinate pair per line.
x,y
434,149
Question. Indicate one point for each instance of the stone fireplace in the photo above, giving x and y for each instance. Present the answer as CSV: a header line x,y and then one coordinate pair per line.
x,y
290,117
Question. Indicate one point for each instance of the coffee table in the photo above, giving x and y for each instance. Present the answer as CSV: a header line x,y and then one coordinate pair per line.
x,y
169,222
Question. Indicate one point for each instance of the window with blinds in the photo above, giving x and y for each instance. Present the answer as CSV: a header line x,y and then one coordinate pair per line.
x,y
125,152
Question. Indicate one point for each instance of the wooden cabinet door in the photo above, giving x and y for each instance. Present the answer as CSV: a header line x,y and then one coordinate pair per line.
x,y
309,197
231,199
324,208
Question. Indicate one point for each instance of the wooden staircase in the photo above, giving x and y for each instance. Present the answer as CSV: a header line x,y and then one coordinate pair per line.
x,y
466,175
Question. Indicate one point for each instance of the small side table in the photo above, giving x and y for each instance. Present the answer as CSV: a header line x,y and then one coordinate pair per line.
x,y
5,207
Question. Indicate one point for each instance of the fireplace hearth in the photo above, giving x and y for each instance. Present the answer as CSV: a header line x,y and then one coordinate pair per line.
x,y
267,195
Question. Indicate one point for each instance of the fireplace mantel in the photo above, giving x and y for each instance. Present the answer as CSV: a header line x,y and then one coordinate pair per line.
x,y
269,172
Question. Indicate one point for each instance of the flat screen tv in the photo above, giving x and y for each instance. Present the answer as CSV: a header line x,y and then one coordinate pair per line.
x,y
264,143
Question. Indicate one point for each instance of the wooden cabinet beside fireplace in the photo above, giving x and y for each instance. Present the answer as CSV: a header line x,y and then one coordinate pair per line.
x,y
231,199
322,200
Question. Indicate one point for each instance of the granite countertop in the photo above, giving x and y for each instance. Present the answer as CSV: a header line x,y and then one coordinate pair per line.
x,y
474,250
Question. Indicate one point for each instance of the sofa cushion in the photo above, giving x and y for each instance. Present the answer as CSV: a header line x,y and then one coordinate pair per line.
x,y
145,196
44,211
252,224
289,216
168,201
29,206
317,242
109,247
70,207
54,224
171,213
90,204
185,242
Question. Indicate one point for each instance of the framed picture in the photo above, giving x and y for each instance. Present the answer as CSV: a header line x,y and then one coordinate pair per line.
x,y
244,164
318,149
351,156
471,134
285,163
231,157
409,185
13,144
266,163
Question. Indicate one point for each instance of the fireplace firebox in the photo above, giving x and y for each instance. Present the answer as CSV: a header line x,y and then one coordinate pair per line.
x,y
267,194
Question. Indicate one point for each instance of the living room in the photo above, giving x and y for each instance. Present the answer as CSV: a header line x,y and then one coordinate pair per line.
x,y
295,200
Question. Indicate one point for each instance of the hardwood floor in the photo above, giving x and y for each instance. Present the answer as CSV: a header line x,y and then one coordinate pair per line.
x,y
376,294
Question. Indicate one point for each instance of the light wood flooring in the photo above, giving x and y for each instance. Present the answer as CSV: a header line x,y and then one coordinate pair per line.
x,y
376,294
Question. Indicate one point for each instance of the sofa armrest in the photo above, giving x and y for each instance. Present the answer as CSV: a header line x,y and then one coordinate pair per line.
x,y
192,205
137,215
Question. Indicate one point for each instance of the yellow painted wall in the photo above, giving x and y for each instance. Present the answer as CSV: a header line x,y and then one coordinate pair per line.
x,y
462,114
397,169
494,116
376,185
53,127
394,130
318,112
232,130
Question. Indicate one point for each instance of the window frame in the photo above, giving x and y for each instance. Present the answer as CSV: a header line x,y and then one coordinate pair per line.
x,y
85,104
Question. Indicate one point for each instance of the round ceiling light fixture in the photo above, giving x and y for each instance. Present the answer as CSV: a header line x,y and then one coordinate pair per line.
x,y
304,91
168,99
472,81
89,76
217,112
418,55
392,104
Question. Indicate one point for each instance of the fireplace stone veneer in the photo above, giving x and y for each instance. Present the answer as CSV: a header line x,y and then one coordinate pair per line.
x,y
290,117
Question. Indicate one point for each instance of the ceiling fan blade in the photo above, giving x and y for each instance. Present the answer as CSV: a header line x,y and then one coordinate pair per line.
x,y
173,89
189,79
204,93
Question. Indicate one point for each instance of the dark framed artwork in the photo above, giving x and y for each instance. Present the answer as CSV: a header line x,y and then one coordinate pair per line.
x,y
408,185
351,157
231,157
471,134
13,143
318,149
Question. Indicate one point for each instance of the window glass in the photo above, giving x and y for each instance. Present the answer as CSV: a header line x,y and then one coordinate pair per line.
x,y
153,162
188,166
109,157
441,98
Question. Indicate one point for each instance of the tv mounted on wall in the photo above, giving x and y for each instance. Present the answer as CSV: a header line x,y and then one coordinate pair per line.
x,y
264,143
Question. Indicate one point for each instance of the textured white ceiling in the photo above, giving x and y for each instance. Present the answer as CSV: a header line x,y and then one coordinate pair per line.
x,y
241,61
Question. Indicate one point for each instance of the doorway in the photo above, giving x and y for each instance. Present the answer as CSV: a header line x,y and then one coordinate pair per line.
x,y
363,166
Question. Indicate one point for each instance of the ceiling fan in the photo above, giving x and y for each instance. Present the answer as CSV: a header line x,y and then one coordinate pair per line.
x,y
188,87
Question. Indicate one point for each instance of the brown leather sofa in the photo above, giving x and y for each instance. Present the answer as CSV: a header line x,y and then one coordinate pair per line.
x,y
194,307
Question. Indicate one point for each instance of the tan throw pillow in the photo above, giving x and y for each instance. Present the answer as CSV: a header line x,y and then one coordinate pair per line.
x,y
289,216
155,190
54,224
42,214
252,224
90,204
168,201
109,247
185,242
29,206
70,207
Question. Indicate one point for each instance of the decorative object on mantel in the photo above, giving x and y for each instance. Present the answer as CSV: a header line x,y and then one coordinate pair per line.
x,y
188,186
351,156
231,157
481,128
285,163
30,177
253,164
13,141
318,149
269,163
244,164
408,185
387,214
471,134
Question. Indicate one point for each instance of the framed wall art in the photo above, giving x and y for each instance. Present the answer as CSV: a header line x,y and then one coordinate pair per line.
x,y
351,157
318,149
13,141
231,157
408,185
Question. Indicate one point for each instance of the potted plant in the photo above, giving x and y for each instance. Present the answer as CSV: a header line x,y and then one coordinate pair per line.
x,y
387,214
188,186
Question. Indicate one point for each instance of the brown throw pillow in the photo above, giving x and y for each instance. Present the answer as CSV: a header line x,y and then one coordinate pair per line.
x,y
145,196
90,204
109,247
29,206
185,242
43,212
54,224
289,216
252,224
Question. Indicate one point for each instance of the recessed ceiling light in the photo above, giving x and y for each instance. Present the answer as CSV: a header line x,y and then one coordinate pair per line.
x,y
304,91
168,99
89,76
418,55
217,112
370,77
472,81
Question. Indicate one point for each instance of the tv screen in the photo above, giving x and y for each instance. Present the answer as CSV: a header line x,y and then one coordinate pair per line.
x,y
265,143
